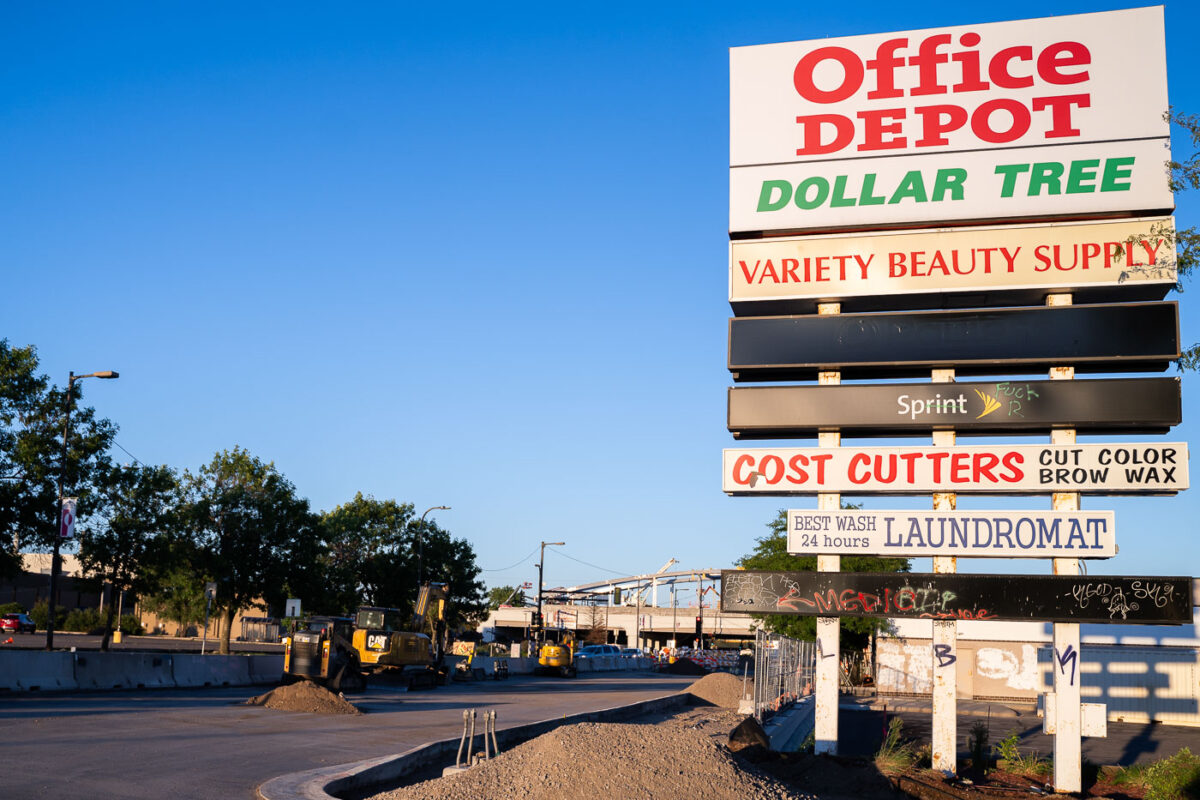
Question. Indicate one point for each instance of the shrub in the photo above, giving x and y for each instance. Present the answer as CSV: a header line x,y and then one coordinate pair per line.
x,y
11,608
131,625
1174,778
40,615
1016,761
82,620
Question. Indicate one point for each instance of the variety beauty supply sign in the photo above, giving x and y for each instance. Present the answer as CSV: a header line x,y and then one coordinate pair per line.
x,y
1130,254
1044,117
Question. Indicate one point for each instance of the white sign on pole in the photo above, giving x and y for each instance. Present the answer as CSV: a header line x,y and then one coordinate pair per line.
x,y
1056,80
66,529
1127,468
291,607
981,534
1059,256
1029,118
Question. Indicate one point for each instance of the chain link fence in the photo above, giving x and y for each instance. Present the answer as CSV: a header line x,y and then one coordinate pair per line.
x,y
783,672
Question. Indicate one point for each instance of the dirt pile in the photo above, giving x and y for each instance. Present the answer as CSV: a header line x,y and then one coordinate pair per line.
x,y
721,689
682,756
304,696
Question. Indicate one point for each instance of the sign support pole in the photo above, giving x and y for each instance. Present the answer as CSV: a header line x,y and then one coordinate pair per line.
x,y
828,628
1066,664
945,635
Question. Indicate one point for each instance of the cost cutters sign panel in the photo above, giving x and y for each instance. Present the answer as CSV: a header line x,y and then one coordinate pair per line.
x,y
1048,117
1134,468
1002,534
1048,256
1056,80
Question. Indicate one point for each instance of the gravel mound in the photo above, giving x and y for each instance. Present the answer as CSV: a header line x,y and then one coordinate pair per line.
x,y
679,758
304,696
685,666
721,689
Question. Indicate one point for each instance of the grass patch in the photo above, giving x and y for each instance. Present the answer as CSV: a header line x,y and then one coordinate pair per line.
x,y
895,755
1174,778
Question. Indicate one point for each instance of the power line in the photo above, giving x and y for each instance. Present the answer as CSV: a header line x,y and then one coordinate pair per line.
x,y
131,455
593,566
519,563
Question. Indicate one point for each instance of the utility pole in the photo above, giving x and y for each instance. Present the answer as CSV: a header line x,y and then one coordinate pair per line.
x,y
541,561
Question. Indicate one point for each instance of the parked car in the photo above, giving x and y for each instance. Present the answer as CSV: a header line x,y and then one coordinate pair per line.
x,y
631,652
595,650
17,623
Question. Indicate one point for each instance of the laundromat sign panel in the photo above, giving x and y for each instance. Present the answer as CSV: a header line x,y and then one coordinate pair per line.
x,y
1064,256
1018,84
979,534
1127,468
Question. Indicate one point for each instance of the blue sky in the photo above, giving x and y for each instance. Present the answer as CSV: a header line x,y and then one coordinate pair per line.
x,y
470,256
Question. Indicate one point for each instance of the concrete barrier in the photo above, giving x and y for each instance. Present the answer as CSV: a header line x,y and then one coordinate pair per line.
x,y
197,670
35,670
96,670
264,668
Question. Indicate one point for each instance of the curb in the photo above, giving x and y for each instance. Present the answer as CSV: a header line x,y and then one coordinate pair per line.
x,y
317,784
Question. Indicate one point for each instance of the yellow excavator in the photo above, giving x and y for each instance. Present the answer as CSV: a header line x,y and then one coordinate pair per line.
x,y
383,644
322,652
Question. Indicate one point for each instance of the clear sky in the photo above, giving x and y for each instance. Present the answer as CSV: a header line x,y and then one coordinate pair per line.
x,y
471,255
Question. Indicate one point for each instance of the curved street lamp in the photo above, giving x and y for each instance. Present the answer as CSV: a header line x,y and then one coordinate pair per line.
x,y
62,479
421,543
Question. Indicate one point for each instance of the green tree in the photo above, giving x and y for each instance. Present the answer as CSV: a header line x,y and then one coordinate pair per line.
x,y
179,593
509,595
770,553
370,557
31,430
121,541
251,532
368,553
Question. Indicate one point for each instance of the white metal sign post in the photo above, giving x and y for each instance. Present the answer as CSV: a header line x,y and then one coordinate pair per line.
x,y
829,643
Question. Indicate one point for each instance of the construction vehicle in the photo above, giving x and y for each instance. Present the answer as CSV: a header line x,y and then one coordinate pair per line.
x,y
383,643
556,653
323,652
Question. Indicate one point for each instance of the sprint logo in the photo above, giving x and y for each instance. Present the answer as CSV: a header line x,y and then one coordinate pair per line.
x,y
990,404
939,406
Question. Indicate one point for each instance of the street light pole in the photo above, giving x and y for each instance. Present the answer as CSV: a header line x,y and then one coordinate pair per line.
x,y
62,480
541,561
421,543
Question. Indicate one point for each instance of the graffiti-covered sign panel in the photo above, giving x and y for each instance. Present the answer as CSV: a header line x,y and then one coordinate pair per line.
x,y
1125,468
1129,405
1113,337
1054,598
1130,259
982,534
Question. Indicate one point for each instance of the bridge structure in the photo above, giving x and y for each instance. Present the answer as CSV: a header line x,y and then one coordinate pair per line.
x,y
644,611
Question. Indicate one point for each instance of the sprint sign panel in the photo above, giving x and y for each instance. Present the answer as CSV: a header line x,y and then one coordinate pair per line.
x,y
1129,468
1025,83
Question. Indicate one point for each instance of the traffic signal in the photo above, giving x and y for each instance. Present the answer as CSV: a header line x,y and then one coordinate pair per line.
x,y
699,626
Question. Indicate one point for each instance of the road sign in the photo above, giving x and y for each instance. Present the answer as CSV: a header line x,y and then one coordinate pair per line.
x,y
1094,338
1054,598
1130,405
1125,468
980,534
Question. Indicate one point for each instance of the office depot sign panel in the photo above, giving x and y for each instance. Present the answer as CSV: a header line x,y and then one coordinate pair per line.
x,y
1128,468
1133,254
1056,80
979,534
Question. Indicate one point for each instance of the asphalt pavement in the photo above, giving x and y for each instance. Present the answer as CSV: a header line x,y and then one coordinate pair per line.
x,y
203,743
